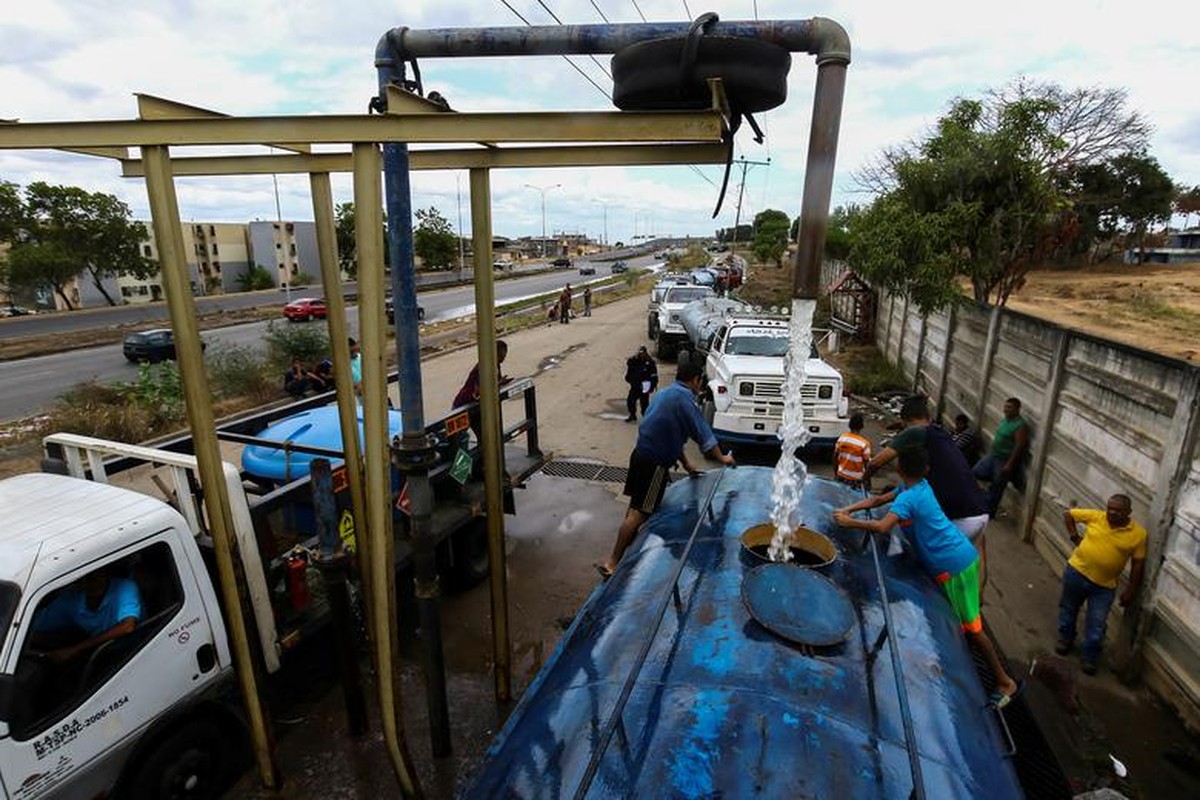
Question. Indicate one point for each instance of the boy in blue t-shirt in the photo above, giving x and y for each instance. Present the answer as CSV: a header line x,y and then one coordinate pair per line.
x,y
942,549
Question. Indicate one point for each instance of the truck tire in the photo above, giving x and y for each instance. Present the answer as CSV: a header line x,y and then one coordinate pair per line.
x,y
471,565
652,327
708,411
663,349
189,764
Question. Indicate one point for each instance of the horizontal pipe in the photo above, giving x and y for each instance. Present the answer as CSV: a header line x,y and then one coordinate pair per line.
x,y
462,128
610,155
821,37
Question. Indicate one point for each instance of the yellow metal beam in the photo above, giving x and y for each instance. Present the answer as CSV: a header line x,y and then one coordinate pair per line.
x,y
153,107
583,126
402,102
506,158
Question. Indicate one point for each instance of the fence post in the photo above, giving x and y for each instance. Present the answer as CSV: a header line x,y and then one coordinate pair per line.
x,y
887,333
903,329
1175,463
989,355
944,378
1041,444
920,353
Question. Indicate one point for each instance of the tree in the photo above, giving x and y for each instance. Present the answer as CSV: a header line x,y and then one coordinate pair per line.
x,y
1187,202
255,279
347,247
60,231
837,236
434,240
972,199
771,235
1147,195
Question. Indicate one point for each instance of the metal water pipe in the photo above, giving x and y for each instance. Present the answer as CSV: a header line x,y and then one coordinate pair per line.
x,y
818,36
414,452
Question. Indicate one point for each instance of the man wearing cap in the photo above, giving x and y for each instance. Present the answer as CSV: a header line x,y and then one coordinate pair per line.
x,y
641,373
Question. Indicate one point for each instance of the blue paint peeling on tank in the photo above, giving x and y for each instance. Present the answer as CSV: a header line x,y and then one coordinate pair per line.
x,y
722,707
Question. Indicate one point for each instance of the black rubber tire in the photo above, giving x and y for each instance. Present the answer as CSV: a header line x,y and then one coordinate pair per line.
x,y
708,411
189,764
646,74
662,350
652,328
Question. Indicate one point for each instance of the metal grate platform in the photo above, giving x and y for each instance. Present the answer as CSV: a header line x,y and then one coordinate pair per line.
x,y
585,470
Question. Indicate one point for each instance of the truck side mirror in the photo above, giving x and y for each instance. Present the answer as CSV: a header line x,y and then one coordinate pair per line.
x,y
7,691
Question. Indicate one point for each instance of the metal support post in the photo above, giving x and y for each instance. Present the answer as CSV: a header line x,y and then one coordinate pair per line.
x,y
944,378
489,409
322,198
164,213
333,564
368,204
1041,444
533,447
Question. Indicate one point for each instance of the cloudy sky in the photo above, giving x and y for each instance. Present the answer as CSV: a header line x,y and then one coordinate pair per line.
x,y
74,60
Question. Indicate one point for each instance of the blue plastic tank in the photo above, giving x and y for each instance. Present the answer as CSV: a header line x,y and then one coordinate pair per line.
x,y
317,427
722,707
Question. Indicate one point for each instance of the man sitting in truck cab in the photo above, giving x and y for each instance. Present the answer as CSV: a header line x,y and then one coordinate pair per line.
x,y
100,607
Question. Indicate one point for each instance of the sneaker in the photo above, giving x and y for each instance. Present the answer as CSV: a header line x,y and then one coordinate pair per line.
x,y
1089,667
631,419
1062,647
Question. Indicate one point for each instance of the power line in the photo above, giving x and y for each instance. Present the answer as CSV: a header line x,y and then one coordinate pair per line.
x,y
687,10
598,11
560,22
574,66
639,10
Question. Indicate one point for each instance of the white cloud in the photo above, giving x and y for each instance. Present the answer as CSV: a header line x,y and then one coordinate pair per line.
x,y
64,60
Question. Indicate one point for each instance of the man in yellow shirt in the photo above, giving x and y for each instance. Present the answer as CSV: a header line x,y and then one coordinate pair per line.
x,y
1110,539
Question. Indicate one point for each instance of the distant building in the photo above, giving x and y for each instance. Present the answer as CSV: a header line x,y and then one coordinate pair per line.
x,y
1182,247
288,250
217,256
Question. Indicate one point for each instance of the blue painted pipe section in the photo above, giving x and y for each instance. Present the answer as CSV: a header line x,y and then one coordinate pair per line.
x,y
397,191
722,707
821,37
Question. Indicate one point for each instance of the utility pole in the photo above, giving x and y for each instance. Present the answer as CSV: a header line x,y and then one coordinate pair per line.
x,y
741,189
543,190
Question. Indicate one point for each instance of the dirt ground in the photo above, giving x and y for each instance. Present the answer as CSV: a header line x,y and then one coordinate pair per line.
x,y
1154,307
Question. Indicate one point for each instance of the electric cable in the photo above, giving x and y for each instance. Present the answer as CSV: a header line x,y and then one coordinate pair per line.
x,y
598,11
560,22
574,66
639,10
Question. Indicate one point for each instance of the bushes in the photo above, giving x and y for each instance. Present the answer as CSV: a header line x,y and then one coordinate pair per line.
x,y
309,343
149,406
237,371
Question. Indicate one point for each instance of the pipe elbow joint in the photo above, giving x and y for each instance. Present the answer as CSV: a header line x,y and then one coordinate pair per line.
x,y
830,42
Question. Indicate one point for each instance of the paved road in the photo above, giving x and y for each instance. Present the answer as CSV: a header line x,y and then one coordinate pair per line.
x,y
32,385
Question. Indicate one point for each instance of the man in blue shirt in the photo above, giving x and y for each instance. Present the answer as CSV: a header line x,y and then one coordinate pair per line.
x,y
942,548
100,608
672,419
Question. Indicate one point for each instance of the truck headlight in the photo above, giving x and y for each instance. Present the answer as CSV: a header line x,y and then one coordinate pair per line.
x,y
674,318
746,389
825,392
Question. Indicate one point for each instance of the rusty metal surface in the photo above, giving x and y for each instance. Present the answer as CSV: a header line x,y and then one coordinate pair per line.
x,y
721,706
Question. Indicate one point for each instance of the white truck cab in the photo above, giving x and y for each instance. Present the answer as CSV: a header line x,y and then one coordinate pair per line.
x,y
95,723
670,334
745,372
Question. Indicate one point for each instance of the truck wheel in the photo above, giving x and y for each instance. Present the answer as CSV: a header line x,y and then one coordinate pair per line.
x,y
470,545
190,764
663,350
652,328
708,411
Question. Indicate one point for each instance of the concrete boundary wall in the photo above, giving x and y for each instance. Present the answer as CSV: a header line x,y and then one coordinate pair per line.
x,y
1105,418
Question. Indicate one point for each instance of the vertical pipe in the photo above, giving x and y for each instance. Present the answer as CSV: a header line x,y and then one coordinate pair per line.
x,y
368,205
164,213
489,408
322,196
818,178
398,193
332,563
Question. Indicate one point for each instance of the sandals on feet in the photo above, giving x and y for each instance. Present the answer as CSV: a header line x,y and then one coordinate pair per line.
x,y
605,572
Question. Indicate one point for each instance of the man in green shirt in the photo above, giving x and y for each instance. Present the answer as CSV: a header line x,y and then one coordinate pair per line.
x,y
1002,464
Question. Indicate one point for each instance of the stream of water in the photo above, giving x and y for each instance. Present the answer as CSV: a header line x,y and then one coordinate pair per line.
x,y
787,482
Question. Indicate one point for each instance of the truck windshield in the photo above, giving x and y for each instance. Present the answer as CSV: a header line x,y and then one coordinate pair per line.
x,y
757,345
687,294
9,595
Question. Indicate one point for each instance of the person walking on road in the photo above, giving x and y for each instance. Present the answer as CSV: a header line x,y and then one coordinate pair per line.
x,y
641,373
851,453
564,305
673,418
587,301
1110,539
1002,464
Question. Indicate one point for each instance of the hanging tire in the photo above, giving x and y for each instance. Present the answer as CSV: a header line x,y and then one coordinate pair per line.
x,y
189,764
646,75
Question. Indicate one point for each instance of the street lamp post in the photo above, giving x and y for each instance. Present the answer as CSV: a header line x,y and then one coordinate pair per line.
x,y
543,190
604,203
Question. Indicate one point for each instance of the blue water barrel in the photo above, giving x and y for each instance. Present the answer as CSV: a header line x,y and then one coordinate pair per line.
x,y
317,427
722,707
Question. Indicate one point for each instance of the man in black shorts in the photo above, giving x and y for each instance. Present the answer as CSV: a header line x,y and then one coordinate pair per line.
x,y
672,419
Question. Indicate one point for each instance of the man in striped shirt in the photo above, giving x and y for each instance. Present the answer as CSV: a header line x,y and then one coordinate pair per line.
x,y
852,452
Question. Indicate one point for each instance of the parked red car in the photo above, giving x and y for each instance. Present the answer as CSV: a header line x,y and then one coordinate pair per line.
x,y
304,309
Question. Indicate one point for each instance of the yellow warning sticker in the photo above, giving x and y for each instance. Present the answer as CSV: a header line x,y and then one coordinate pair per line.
x,y
346,530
